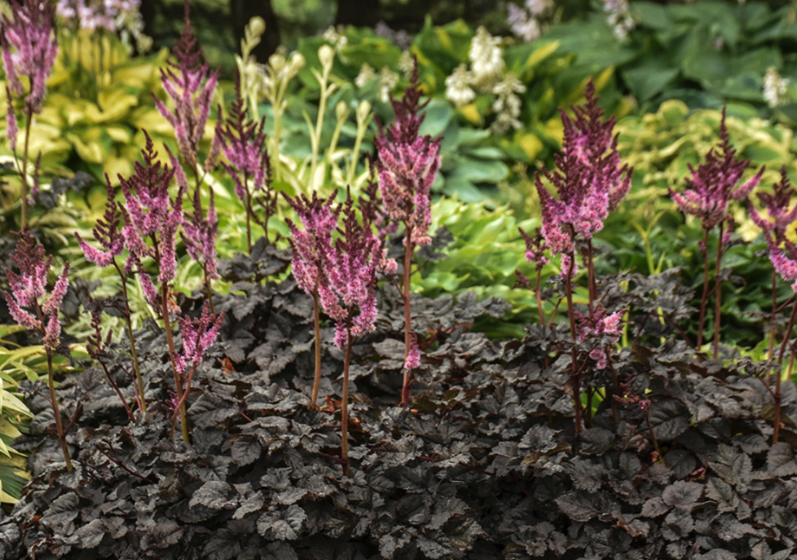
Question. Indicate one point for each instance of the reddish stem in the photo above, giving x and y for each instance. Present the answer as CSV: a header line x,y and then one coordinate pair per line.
x,y
344,411
704,300
718,289
405,390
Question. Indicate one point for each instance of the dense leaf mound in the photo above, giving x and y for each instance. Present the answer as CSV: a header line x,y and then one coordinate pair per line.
x,y
484,466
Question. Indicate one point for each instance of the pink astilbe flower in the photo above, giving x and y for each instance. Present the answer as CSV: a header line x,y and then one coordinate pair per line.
x,y
777,206
414,356
785,264
151,214
350,265
29,289
199,236
714,183
589,179
198,335
535,247
408,164
604,328
30,34
319,219
190,85
106,232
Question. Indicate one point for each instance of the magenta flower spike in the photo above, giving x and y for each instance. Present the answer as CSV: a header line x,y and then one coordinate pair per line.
x,y
199,236
589,179
151,214
190,85
777,207
408,164
319,218
243,143
198,335
350,265
714,183
30,46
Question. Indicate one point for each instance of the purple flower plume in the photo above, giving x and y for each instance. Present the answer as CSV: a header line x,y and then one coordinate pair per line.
x,y
408,165
198,335
350,265
713,184
243,142
30,46
320,219
106,232
777,206
589,178
535,247
190,85
784,262
199,235
151,214
29,290
603,327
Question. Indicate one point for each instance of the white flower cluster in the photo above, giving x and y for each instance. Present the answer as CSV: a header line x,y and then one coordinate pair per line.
x,y
619,17
776,90
530,21
507,104
388,80
114,16
335,36
487,75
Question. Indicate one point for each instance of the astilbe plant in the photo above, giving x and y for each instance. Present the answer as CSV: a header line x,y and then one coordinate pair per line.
x,y
349,297
190,85
243,143
710,189
29,290
783,255
108,233
30,45
591,181
408,164
152,216
310,246
197,336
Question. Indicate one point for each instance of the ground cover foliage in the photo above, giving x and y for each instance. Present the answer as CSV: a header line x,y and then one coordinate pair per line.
x,y
486,464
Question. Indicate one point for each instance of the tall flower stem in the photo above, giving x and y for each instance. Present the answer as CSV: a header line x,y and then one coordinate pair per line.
x,y
784,344
133,353
172,353
209,291
344,407
772,328
317,330
405,390
704,299
539,296
718,289
574,375
23,173
58,425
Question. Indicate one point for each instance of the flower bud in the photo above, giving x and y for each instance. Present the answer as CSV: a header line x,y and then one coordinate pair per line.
x,y
326,55
342,111
363,110
257,26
